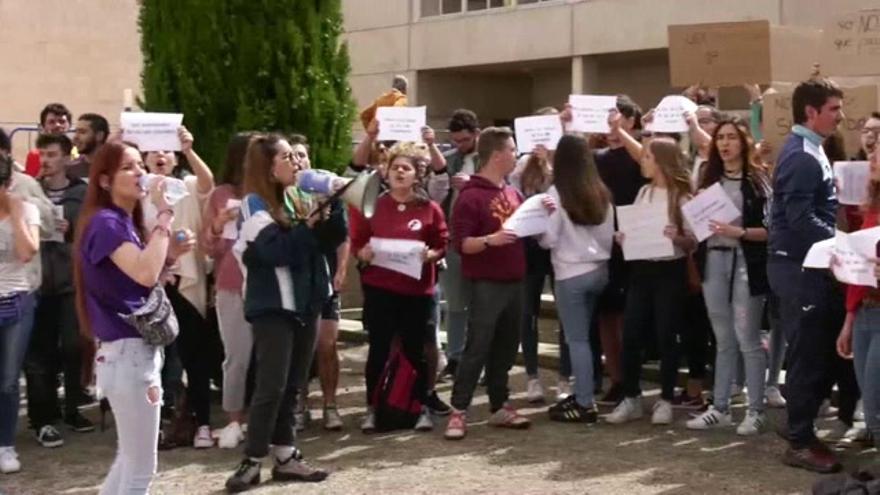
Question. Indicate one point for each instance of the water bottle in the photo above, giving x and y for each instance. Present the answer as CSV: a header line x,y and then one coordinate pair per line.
x,y
175,189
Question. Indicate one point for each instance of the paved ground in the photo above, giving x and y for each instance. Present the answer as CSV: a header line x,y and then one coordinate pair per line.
x,y
550,458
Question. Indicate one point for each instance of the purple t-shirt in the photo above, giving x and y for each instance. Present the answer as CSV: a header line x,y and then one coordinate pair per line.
x,y
108,291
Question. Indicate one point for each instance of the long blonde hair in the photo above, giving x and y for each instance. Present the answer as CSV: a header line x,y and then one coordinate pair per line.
x,y
671,164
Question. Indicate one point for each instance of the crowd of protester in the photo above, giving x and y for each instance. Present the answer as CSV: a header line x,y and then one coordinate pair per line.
x,y
252,265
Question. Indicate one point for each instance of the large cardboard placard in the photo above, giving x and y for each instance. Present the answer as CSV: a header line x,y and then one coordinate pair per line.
x,y
851,44
858,103
735,53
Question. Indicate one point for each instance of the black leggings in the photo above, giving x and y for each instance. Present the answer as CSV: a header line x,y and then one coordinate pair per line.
x,y
189,350
389,315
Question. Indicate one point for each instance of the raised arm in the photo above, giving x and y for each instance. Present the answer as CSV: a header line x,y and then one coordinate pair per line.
x,y
199,167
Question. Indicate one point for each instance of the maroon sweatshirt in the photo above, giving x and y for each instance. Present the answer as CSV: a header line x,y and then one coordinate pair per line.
x,y
482,207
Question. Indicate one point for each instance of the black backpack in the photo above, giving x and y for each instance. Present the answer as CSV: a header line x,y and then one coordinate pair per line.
x,y
857,483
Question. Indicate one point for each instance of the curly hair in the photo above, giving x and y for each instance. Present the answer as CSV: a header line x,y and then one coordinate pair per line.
x,y
419,156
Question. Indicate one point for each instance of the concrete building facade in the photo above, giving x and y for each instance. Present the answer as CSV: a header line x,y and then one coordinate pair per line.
x,y
505,58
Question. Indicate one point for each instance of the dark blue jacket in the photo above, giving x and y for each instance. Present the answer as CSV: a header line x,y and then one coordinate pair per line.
x,y
284,268
804,206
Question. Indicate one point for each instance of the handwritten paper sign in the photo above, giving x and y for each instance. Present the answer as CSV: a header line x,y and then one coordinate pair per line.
x,y
400,123
669,114
230,228
530,218
711,204
590,113
57,236
851,44
858,103
850,256
642,226
852,182
152,131
399,255
538,129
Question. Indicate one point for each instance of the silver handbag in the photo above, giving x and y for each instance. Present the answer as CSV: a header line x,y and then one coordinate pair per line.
x,y
155,320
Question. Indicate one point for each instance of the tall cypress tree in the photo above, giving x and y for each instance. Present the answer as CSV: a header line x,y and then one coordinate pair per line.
x,y
265,65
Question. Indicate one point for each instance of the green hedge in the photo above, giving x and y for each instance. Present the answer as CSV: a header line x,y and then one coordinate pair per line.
x,y
234,65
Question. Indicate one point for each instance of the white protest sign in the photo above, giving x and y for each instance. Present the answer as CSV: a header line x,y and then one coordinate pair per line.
x,y
852,182
669,114
642,226
711,204
538,129
590,113
57,235
230,228
152,131
530,218
850,256
400,123
399,255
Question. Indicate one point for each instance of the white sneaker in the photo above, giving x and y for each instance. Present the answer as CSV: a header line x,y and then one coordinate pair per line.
x,y
332,419
712,418
563,389
9,462
203,439
857,433
534,391
369,423
629,409
424,423
774,397
662,413
230,436
752,424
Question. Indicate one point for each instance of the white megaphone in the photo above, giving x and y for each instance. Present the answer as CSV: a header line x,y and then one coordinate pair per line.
x,y
360,192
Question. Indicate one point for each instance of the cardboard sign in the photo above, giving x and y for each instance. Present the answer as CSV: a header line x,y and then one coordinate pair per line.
x,y
152,131
735,53
851,44
590,113
858,103
545,130
400,123
669,114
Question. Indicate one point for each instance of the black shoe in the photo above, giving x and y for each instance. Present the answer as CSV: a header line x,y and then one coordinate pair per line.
x,y
436,406
448,372
78,423
49,437
569,411
613,396
246,476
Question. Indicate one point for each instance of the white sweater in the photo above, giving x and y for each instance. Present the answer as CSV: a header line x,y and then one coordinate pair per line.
x,y
576,249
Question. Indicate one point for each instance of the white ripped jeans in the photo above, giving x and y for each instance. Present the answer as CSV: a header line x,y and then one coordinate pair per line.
x,y
128,374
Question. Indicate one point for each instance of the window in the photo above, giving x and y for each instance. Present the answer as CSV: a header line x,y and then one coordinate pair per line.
x,y
431,8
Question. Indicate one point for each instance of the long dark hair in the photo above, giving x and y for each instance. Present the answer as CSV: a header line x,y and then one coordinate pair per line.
x,y
233,167
714,168
582,193
671,163
107,162
258,177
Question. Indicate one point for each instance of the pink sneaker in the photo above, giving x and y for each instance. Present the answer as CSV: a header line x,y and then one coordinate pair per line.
x,y
508,417
456,428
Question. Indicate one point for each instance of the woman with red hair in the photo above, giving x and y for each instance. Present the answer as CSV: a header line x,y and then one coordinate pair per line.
x,y
117,264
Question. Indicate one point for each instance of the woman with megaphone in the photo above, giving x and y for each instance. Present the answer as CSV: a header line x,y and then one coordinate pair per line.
x,y
280,249
406,230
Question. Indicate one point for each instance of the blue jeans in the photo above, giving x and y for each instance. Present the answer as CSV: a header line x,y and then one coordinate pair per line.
x,y
736,320
866,355
14,339
576,300
457,291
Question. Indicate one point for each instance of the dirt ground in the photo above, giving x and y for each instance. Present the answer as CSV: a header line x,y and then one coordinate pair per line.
x,y
550,458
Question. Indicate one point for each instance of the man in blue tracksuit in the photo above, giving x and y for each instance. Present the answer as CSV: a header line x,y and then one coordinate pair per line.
x,y
804,212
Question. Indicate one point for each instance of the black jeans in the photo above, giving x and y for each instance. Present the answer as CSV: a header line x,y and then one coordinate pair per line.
x,y
695,335
492,341
812,310
54,346
190,352
283,346
390,315
654,310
